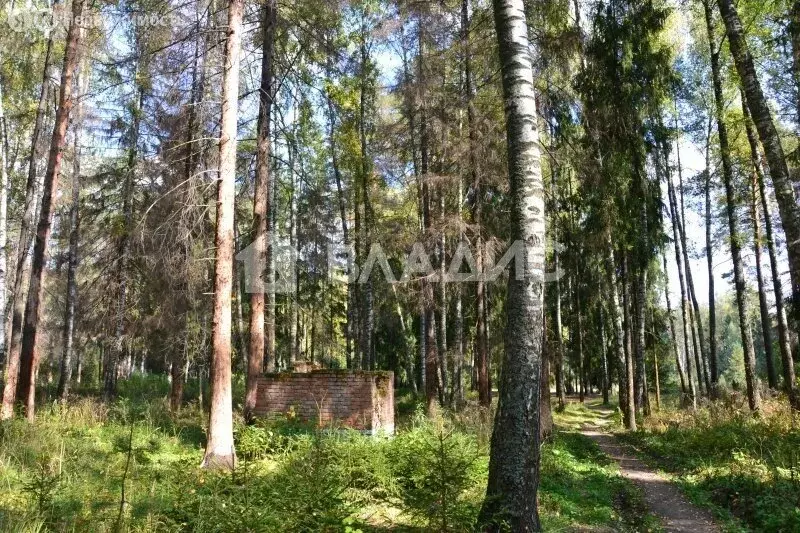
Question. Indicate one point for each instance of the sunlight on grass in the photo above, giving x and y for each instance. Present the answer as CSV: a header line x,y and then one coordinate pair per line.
x,y
66,472
743,467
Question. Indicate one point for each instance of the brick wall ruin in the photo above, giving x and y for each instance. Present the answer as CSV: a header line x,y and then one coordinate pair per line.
x,y
329,398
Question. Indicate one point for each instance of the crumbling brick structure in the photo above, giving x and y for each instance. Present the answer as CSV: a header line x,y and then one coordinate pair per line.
x,y
330,398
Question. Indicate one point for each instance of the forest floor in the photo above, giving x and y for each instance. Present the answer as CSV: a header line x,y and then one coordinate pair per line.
x,y
132,465
662,497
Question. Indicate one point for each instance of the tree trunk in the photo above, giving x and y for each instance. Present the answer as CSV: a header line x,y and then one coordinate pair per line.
x,y
545,410
428,303
604,356
692,317
625,400
738,48
65,376
511,494
26,235
763,306
630,380
412,131
578,340
700,349
712,307
368,325
560,393
481,342
458,365
176,373
673,337
261,208
29,356
684,301
220,453
442,337
3,227
342,204
655,366
115,355
294,307
770,140
784,343
240,290
641,387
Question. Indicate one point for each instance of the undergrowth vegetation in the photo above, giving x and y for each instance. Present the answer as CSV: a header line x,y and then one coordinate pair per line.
x,y
133,466
744,466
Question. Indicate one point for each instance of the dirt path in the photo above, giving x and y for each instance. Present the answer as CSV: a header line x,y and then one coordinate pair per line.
x,y
663,498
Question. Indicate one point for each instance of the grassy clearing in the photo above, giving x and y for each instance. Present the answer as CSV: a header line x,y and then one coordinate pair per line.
x,y
66,472
743,467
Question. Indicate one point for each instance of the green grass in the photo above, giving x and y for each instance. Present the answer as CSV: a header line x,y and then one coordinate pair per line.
x,y
742,467
581,487
66,472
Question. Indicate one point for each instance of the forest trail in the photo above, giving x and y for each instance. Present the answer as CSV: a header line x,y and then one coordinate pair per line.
x,y
663,498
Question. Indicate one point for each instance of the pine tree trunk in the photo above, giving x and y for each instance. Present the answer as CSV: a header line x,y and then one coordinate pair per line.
x,y
3,227
578,329
294,307
442,337
630,379
481,357
410,111
784,343
428,303
511,494
220,453
545,410
789,207
459,363
738,48
261,208
641,388
180,364
112,370
556,285
65,376
270,354
240,291
409,357
177,370
604,355
342,204
26,235
368,325
560,391
29,355
625,399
